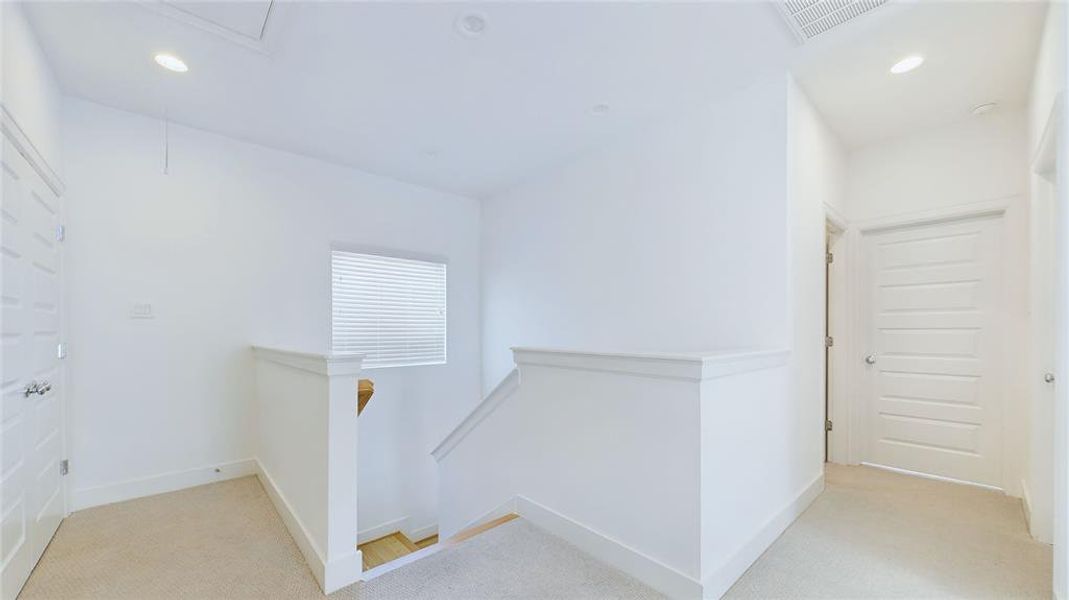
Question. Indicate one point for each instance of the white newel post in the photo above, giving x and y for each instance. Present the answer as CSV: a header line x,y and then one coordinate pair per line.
x,y
306,450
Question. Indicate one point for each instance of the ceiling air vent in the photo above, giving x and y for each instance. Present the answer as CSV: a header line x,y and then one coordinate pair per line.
x,y
810,18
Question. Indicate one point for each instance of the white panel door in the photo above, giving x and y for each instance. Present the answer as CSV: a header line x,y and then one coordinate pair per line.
x,y
32,498
935,390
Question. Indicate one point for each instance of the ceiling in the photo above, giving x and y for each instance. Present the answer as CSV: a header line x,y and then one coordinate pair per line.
x,y
975,52
397,89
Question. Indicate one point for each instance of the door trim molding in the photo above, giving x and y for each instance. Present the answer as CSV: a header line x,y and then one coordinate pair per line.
x,y
984,208
850,260
18,138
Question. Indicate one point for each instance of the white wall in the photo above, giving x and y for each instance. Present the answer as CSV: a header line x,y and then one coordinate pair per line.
x,y
232,249
587,445
670,239
975,160
981,158
28,88
817,178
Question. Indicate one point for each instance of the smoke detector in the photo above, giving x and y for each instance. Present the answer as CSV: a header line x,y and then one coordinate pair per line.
x,y
810,18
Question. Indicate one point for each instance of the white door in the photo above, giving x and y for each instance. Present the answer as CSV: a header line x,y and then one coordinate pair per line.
x,y
935,402
32,495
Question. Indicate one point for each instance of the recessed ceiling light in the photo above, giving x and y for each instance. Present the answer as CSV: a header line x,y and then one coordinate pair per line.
x,y
907,64
983,109
171,63
600,109
471,24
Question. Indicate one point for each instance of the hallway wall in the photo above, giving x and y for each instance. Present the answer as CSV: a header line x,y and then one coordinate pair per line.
x,y
672,239
231,248
29,90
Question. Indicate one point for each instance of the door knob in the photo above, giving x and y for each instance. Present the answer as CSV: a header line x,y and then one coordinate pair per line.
x,y
870,359
1048,377
34,387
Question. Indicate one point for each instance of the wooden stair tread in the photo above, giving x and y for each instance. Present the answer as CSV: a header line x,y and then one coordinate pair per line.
x,y
474,531
373,568
365,389
385,549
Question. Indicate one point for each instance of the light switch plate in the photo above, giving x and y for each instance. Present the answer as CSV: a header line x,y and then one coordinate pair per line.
x,y
141,310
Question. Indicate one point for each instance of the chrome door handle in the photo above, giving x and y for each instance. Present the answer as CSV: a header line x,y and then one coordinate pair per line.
x,y
1048,377
37,388
870,359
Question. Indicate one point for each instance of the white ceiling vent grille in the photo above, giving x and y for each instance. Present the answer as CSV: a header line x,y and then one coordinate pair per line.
x,y
810,18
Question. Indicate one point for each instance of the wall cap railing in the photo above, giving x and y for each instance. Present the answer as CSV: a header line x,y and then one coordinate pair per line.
x,y
323,364
689,366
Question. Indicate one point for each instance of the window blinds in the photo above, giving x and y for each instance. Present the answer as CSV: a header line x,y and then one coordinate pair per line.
x,y
390,309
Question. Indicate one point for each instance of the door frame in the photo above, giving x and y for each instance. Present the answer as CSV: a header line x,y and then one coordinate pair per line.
x,y
846,375
1050,162
836,307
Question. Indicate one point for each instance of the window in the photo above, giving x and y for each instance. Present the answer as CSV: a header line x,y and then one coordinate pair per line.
x,y
391,309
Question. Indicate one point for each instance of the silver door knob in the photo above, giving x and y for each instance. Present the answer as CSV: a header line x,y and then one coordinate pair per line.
x,y
870,359
34,387
1048,377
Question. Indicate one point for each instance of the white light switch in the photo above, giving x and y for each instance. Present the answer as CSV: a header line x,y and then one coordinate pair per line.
x,y
141,310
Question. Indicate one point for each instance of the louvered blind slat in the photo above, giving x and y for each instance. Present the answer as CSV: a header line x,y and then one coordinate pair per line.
x,y
390,309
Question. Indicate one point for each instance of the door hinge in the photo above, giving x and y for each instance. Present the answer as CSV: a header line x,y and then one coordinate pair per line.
x,y
61,350
61,233
828,425
829,341
829,257
64,467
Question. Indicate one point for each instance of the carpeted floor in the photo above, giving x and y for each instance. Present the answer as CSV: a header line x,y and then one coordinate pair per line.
x,y
876,534
225,540
872,534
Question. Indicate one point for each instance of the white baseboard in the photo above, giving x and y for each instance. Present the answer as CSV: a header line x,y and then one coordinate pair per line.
x,y
644,568
717,584
343,572
160,484
331,576
374,533
298,532
421,533
403,524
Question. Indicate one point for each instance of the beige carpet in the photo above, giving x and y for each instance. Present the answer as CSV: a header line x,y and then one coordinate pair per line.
x,y
225,541
875,534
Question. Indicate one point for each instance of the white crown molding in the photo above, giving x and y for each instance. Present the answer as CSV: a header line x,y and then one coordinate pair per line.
x,y
322,364
25,147
688,367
